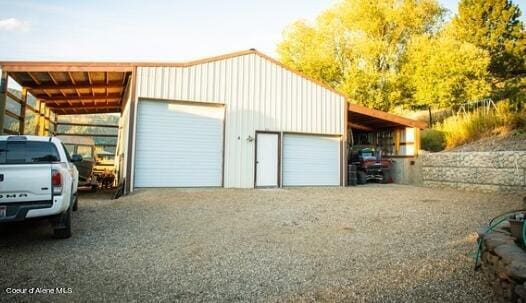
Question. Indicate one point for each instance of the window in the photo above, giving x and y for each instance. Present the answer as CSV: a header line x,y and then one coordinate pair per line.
x,y
407,142
13,106
70,148
386,142
30,123
27,152
11,124
85,151
66,151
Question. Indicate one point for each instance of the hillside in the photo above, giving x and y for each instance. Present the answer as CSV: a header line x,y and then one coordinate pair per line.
x,y
496,143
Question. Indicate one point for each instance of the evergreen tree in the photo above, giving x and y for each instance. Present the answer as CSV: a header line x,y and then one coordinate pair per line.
x,y
494,25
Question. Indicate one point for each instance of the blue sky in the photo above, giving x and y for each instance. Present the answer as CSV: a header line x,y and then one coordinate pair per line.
x,y
158,30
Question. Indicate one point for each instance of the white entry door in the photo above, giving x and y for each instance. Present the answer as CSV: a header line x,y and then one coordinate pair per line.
x,y
267,164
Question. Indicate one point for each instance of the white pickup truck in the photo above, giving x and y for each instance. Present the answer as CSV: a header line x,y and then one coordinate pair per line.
x,y
37,180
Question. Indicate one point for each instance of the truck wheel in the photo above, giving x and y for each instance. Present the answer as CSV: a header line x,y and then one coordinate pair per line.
x,y
362,177
62,229
76,203
385,178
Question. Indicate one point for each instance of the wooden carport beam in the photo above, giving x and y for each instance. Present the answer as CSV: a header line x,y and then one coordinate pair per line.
x,y
112,84
360,127
87,106
73,98
386,116
96,110
74,102
41,66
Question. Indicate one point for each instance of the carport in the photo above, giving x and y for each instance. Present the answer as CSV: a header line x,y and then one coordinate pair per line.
x,y
239,120
52,89
397,137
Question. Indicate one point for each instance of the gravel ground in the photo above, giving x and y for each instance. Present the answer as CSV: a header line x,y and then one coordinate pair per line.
x,y
373,243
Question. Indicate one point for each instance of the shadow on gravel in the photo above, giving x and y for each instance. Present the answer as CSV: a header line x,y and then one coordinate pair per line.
x,y
36,231
28,232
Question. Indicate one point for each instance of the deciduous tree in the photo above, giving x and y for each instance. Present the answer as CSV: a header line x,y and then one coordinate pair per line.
x,y
442,71
358,46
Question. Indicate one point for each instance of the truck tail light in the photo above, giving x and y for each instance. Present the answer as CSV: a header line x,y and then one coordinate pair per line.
x,y
56,182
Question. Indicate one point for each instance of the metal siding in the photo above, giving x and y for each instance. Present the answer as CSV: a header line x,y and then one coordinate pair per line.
x,y
258,95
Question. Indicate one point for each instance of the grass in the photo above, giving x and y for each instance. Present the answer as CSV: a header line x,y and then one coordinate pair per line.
x,y
466,128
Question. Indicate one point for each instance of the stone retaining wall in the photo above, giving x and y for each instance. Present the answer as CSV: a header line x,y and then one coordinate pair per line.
x,y
482,171
503,263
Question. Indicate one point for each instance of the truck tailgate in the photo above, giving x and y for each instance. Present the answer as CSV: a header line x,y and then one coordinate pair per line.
x,y
25,182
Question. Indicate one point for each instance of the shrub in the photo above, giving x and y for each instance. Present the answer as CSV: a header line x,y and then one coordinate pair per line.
x,y
462,129
433,140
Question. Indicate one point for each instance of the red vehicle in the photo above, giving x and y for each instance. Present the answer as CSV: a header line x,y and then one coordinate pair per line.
x,y
370,166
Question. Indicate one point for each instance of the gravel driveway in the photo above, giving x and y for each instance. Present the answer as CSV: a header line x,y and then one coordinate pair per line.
x,y
373,243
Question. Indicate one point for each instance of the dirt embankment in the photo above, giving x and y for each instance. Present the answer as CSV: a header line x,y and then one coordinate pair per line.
x,y
508,143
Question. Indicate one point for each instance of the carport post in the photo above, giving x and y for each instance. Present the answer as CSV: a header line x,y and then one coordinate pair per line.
x,y
3,96
55,125
41,120
47,121
22,123
130,149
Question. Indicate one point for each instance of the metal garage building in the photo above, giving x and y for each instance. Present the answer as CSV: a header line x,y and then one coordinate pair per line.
x,y
240,120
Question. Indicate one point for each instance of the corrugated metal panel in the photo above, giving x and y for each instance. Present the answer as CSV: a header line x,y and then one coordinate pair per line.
x,y
258,95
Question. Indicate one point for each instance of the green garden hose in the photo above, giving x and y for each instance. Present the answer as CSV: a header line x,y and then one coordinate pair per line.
x,y
500,218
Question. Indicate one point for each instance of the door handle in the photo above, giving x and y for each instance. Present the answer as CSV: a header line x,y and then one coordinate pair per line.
x,y
1,177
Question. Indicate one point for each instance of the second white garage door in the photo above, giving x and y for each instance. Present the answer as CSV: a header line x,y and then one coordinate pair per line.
x,y
311,160
178,145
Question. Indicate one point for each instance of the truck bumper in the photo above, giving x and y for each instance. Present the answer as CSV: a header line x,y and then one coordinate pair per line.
x,y
20,211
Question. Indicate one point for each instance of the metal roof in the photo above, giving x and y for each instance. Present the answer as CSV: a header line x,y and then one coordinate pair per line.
x,y
98,87
367,119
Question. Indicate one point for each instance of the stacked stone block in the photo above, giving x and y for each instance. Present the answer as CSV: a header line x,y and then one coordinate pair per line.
x,y
503,263
503,171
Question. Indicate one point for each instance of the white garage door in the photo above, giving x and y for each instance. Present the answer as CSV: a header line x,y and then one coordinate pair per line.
x,y
178,145
311,160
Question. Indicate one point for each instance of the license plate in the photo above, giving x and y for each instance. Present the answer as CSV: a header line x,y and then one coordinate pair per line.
x,y
3,211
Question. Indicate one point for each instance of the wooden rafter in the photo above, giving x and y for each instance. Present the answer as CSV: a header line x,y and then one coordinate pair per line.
x,y
35,79
74,84
56,83
106,80
91,83
360,127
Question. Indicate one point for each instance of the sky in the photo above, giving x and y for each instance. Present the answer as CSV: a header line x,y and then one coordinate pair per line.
x,y
155,30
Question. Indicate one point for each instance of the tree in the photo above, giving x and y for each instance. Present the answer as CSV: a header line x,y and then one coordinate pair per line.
x,y
443,71
494,25
358,46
